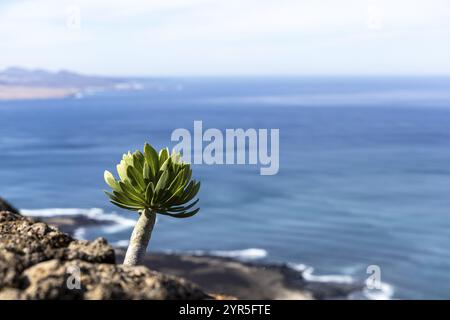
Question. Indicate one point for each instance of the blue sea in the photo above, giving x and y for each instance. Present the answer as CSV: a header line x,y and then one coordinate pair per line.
x,y
364,173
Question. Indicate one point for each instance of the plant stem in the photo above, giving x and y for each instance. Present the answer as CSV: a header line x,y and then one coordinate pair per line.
x,y
140,238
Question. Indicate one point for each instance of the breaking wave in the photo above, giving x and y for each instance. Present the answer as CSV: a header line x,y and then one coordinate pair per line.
x,y
117,222
242,255
385,292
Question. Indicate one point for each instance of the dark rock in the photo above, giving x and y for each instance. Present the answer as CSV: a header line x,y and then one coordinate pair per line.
x,y
69,224
5,206
39,262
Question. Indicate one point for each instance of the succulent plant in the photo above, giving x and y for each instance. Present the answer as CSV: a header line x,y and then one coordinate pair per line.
x,y
152,183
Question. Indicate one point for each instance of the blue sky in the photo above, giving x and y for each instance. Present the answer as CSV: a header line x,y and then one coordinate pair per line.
x,y
228,37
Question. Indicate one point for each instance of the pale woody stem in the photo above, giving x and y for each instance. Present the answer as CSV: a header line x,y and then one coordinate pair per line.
x,y
140,238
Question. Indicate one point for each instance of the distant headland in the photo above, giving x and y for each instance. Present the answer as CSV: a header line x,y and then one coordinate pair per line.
x,y
26,84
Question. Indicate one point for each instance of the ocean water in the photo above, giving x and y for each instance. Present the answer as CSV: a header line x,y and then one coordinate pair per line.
x,y
364,172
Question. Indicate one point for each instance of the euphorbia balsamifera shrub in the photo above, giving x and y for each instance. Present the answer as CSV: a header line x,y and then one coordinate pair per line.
x,y
152,183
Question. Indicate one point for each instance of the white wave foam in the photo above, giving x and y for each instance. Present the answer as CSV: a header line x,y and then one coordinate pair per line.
x,y
385,292
308,274
57,212
119,222
80,233
121,243
244,254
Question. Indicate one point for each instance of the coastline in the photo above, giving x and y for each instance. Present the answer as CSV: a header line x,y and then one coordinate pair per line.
x,y
244,280
8,92
226,275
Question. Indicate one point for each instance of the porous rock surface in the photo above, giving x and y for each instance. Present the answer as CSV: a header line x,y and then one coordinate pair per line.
x,y
38,261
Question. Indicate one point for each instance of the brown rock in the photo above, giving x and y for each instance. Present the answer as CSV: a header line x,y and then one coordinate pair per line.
x,y
54,279
97,251
25,242
39,262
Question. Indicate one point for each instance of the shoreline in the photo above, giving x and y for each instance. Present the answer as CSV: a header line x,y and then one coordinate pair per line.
x,y
17,93
245,280
225,275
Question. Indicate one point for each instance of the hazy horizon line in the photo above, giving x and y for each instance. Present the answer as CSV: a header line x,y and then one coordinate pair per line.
x,y
236,75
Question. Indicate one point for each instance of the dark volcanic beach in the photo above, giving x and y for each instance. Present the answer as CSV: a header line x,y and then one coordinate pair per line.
x,y
244,280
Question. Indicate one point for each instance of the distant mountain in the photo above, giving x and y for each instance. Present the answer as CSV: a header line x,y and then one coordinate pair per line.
x,y
16,76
